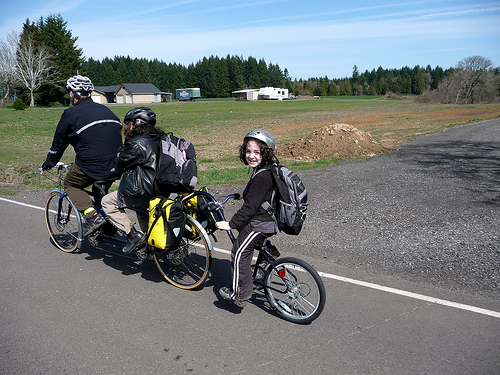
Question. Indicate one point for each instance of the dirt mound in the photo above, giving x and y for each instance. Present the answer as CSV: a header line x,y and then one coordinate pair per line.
x,y
332,141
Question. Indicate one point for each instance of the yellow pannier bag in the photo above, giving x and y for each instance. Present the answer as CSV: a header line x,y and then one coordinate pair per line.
x,y
166,222
205,218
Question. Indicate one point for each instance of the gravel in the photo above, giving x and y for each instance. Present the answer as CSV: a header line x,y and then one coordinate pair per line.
x,y
427,211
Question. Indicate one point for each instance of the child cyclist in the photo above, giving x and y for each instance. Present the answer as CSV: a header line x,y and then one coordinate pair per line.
x,y
253,222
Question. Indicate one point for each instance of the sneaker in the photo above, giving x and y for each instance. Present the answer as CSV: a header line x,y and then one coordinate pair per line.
x,y
228,294
94,222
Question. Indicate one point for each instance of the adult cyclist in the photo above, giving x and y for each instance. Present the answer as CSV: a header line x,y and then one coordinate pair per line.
x,y
94,131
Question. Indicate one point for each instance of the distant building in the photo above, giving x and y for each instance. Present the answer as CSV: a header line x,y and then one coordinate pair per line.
x,y
129,93
249,94
191,93
264,93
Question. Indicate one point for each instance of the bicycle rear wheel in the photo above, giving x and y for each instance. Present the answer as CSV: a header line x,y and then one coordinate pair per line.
x,y
295,290
63,221
187,266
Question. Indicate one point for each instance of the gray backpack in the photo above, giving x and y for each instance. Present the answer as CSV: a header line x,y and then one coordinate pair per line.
x,y
290,195
177,168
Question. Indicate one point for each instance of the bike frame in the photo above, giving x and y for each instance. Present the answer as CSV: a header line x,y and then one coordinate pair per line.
x,y
262,253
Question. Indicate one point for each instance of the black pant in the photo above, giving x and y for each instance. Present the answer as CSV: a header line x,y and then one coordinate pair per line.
x,y
241,261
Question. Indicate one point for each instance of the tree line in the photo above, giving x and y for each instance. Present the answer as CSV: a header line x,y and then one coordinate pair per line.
x,y
219,77
35,64
216,77
473,79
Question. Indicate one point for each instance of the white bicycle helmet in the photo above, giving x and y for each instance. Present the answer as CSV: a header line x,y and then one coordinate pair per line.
x,y
80,85
263,136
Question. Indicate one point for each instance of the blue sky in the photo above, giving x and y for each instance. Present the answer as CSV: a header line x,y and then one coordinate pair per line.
x,y
309,38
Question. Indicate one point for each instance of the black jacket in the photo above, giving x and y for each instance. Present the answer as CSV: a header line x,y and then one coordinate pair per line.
x,y
258,190
138,160
94,132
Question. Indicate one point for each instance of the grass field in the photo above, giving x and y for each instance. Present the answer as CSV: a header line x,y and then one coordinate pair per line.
x,y
216,127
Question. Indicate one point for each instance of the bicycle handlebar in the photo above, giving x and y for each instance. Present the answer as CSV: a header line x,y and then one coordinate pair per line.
x,y
213,206
59,166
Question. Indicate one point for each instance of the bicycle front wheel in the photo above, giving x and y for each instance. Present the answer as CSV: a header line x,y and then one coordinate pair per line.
x,y
295,290
64,222
187,266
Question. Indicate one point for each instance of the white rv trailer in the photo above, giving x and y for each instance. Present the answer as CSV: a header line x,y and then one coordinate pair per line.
x,y
272,93
265,93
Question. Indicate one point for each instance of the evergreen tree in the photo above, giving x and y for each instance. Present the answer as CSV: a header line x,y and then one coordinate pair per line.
x,y
332,89
250,72
263,74
345,88
66,58
418,82
235,75
437,76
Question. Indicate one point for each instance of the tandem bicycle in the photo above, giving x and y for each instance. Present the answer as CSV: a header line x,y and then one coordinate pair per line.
x,y
185,266
293,288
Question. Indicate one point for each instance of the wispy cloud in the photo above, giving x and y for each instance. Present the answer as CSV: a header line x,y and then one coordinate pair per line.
x,y
312,36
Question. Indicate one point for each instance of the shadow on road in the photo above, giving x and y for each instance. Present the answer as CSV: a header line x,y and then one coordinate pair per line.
x,y
476,163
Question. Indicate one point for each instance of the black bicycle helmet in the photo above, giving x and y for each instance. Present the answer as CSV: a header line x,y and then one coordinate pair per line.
x,y
263,136
143,113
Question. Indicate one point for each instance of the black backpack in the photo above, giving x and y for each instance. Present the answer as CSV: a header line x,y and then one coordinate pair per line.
x,y
177,169
290,195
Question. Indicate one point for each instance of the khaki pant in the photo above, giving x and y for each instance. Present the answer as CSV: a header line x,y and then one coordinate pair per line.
x,y
125,218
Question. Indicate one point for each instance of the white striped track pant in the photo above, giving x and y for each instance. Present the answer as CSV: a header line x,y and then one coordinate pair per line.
x,y
241,261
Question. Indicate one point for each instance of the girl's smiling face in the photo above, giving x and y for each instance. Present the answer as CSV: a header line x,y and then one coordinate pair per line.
x,y
253,155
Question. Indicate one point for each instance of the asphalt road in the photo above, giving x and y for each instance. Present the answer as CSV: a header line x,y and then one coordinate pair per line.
x,y
407,242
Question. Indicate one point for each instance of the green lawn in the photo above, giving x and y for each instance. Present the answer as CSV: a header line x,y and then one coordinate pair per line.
x,y
217,126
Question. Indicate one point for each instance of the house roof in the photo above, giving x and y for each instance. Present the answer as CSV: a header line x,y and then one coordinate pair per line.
x,y
107,89
140,88
133,88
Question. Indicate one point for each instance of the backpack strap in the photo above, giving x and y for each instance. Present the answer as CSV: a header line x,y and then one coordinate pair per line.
x,y
269,209
267,206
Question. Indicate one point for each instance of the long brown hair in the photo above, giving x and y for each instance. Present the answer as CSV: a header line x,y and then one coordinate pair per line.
x,y
144,129
268,156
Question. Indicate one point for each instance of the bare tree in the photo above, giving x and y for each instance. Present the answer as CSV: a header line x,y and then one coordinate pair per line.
x,y
470,73
33,66
8,50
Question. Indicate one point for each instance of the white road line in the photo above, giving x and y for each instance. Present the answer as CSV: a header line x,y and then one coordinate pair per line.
x,y
22,204
404,293
413,295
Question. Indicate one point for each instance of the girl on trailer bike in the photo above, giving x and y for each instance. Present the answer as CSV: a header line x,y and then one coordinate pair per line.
x,y
253,222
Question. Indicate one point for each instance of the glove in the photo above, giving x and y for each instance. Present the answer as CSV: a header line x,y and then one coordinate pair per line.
x,y
47,165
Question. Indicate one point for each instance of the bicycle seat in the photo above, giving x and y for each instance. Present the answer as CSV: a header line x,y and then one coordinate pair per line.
x,y
101,187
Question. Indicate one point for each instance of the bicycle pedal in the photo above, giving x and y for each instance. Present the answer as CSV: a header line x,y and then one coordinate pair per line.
x,y
93,228
143,254
94,238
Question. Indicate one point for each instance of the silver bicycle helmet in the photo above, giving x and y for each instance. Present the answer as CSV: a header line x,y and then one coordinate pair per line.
x,y
263,136
143,113
80,85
